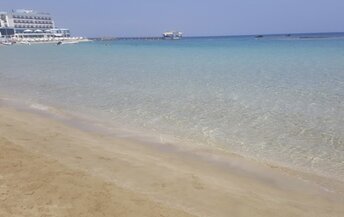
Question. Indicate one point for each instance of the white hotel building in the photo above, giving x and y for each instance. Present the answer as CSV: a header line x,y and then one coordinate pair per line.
x,y
29,24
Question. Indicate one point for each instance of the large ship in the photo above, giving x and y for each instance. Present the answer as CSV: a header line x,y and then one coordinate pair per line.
x,y
172,35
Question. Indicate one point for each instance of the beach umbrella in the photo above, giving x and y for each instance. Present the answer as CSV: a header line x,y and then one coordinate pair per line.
x,y
27,31
38,31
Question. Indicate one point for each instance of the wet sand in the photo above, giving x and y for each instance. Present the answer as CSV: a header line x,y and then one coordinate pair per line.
x,y
49,168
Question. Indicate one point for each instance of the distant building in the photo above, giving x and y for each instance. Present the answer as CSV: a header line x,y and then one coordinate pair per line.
x,y
5,29
29,24
172,35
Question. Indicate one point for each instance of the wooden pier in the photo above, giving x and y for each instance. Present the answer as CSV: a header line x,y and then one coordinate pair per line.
x,y
127,38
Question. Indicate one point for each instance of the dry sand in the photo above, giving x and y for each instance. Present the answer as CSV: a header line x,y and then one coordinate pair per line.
x,y
48,168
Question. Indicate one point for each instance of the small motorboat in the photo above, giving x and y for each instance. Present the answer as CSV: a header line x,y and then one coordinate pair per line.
x,y
6,43
67,42
24,42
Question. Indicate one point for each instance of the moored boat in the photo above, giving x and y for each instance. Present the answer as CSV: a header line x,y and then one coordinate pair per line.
x,y
6,43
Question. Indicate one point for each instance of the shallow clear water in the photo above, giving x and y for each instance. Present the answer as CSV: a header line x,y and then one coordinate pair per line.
x,y
275,99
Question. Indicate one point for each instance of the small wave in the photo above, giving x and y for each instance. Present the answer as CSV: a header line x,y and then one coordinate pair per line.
x,y
39,107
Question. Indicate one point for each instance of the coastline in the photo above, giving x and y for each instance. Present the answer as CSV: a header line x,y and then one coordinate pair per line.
x,y
150,179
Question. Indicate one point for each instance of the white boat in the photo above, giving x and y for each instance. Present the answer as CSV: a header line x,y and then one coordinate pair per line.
x,y
6,43
67,42
172,35
24,42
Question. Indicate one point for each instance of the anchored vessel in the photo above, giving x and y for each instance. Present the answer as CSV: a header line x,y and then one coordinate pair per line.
x,y
172,35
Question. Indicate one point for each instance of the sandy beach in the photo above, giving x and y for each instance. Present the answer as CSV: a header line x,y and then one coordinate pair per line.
x,y
49,168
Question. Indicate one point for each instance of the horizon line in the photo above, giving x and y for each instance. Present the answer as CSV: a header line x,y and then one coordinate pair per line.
x,y
234,35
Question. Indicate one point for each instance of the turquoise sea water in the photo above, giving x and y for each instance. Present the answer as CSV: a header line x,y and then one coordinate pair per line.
x,y
276,99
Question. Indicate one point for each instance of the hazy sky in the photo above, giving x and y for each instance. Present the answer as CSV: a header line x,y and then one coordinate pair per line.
x,y
193,17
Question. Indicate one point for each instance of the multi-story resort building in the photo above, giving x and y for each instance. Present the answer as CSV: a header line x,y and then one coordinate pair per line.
x,y
29,24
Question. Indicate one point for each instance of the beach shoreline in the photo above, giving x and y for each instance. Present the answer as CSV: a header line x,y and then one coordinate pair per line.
x,y
167,180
